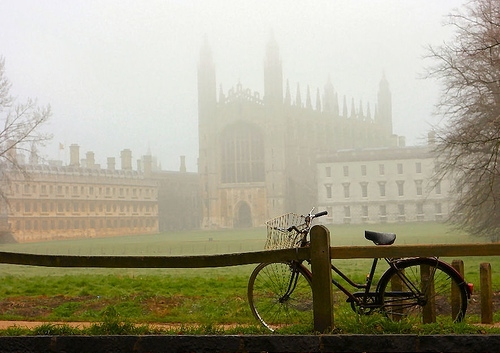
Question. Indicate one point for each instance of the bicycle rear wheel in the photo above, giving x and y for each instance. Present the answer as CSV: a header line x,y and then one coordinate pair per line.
x,y
280,294
424,289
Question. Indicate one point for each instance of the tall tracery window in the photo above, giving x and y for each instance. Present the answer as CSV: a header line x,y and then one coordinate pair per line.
x,y
242,154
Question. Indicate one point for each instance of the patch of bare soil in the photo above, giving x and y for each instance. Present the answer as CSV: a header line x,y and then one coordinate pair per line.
x,y
37,311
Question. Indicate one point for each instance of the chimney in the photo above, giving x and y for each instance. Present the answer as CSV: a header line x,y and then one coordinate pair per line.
x,y
148,165
126,156
90,159
74,155
111,163
183,164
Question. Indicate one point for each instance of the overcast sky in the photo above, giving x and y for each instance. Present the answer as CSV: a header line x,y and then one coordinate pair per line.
x,y
122,74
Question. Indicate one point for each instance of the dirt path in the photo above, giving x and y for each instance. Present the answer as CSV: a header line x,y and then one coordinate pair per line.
x,y
32,324
80,325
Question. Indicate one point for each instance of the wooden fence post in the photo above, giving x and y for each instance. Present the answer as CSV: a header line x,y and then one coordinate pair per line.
x,y
322,279
486,293
458,265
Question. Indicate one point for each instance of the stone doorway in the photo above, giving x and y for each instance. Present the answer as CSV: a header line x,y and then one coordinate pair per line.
x,y
243,218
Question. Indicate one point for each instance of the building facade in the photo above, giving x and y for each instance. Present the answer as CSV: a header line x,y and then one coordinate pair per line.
x,y
82,200
257,152
382,185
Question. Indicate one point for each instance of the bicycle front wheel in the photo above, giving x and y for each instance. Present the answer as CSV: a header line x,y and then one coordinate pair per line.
x,y
424,289
280,294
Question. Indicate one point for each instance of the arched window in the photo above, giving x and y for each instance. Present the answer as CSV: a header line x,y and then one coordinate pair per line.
x,y
242,154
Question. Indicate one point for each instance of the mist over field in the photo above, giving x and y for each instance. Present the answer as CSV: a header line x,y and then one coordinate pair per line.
x,y
123,74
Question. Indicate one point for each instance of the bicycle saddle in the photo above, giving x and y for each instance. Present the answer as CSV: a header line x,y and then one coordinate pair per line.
x,y
380,238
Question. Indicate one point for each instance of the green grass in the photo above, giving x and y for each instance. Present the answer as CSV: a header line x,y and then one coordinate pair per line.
x,y
196,299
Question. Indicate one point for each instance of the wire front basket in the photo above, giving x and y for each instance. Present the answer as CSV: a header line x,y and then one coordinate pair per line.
x,y
277,235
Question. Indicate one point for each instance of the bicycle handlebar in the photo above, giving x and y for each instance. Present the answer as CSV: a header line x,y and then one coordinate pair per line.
x,y
319,214
311,217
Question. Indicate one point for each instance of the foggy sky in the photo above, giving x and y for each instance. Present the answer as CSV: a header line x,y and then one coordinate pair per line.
x,y
122,74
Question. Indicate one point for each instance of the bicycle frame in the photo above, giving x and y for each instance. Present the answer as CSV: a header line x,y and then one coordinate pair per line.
x,y
362,298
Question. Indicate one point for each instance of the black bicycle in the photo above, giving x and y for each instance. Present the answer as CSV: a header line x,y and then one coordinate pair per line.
x,y
417,288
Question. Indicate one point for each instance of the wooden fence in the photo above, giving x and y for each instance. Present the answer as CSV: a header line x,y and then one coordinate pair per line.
x,y
320,253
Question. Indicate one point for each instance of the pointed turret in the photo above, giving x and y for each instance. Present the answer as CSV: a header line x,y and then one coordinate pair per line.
x,y
298,99
336,105
329,97
288,97
344,108
308,99
273,74
384,108
318,100
206,82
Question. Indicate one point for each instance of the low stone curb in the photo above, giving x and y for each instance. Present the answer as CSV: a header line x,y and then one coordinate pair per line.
x,y
250,343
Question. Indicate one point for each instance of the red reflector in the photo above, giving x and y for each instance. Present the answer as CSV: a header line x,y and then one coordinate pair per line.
x,y
471,287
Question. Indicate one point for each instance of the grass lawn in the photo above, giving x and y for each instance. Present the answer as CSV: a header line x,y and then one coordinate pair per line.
x,y
186,296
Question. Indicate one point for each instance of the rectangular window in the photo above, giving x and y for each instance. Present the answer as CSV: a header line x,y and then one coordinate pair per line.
x,y
401,190
418,186
382,210
363,169
401,209
439,212
400,168
418,167
328,172
364,189
438,188
381,169
346,190
346,170
328,191
347,211
381,186
364,211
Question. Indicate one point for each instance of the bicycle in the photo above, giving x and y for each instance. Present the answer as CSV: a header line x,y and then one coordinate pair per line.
x,y
419,288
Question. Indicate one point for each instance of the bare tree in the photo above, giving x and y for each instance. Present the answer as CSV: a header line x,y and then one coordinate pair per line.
x,y
468,141
19,131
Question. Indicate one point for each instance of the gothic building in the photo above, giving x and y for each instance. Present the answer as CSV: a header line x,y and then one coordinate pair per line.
x,y
257,155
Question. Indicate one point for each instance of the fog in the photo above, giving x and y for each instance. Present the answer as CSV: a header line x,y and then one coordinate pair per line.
x,y
122,74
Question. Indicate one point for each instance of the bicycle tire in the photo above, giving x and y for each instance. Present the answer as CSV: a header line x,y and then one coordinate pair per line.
x,y
442,306
271,301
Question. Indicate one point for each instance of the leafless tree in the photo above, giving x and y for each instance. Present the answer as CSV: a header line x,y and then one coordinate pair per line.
x,y
19,131
468,141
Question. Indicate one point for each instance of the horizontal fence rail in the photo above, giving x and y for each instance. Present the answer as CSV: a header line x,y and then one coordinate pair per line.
x,y
320,253
226,260
394,251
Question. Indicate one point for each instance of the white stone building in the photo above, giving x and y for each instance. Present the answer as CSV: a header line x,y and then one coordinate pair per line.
x,y
381,185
